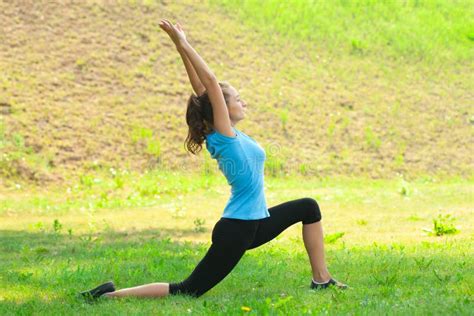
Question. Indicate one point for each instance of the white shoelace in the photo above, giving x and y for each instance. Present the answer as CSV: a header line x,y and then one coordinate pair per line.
x,y
321,283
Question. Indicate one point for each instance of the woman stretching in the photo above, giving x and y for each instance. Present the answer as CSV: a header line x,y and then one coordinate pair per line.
x,y
246,222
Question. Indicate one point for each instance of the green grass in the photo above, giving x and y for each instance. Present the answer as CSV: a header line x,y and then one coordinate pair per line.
x,y
58,242
362,107
428,31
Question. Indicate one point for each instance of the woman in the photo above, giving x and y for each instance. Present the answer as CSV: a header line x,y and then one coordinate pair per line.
x,y
246,223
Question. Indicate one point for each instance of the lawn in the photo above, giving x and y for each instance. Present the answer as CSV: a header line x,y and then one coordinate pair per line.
x,y
377,241
365,106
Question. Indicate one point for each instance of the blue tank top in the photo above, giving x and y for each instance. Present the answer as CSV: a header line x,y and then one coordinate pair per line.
x,y
241,159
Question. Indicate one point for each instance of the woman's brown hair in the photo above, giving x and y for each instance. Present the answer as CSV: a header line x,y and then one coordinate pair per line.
x,y
200,119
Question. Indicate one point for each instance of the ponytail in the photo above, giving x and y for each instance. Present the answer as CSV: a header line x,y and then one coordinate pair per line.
x,y
199,117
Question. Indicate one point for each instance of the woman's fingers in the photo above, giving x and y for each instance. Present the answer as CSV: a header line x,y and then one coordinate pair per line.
x,y
164,22
174,31
166,26
170,25
168,22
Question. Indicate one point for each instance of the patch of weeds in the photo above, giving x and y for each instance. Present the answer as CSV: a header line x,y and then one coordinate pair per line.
x,y
357,47
103,200
372,140
148,187
332,238
388,280
304,169
199,225
119,182
399,158
152,145
154,148
18,160
423,263
274,166
141,133
404,189
57,226
89,239
38,226
18,276
86,180
443,225
442,278
118,179
283,118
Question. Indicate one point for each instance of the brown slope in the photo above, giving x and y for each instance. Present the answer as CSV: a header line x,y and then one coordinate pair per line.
x,y
81,77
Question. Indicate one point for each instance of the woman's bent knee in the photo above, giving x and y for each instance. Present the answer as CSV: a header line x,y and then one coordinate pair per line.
x,y
314,212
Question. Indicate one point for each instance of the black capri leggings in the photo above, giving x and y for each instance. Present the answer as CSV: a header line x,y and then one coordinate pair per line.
x,y
232,237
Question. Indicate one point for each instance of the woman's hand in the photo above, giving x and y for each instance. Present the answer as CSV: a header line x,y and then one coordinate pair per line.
x,y
175,32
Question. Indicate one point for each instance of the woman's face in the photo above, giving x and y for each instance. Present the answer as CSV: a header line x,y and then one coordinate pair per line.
x,y
236,106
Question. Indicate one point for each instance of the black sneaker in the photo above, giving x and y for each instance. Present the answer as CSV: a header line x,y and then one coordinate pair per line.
x,y
327,284
99,291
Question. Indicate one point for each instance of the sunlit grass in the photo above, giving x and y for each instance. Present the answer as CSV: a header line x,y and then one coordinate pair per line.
x,y
404,245
61,241
409,31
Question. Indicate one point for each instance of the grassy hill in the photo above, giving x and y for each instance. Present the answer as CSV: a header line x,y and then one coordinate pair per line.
x,y
91,86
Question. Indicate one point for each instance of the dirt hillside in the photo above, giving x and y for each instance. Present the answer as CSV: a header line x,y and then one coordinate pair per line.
x,y
87,85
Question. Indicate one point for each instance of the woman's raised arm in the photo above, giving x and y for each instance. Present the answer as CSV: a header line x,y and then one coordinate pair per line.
x,y
198,87
222,121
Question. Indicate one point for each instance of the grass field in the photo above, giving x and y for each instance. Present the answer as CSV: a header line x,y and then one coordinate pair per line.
x,y
365,106
156,228
414,31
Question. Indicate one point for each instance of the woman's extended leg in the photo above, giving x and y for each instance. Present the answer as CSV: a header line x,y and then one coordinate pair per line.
x,y
230,239
213,267
284,215
146,290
